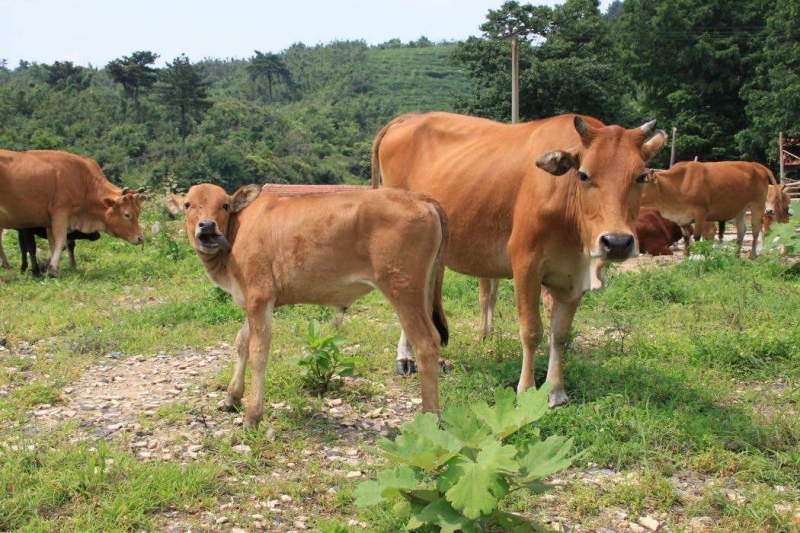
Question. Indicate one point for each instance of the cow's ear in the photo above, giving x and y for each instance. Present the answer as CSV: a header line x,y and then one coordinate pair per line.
x,y
558,162
245,196
109,202
654,145
174,203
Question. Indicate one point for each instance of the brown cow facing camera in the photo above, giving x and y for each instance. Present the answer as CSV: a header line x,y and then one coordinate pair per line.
x,y
325,249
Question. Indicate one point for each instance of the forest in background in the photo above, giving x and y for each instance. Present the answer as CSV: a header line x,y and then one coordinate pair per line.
x,y
726,78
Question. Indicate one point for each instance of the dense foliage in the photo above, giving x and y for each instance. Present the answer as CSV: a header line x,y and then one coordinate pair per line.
x,y
726,78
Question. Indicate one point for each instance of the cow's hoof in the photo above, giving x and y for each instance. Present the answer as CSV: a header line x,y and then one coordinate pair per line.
x,y
52,273
445,367
6,266
227,407
251,423
558,397
405,367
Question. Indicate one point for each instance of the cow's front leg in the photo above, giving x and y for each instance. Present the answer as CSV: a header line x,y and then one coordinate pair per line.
x,y
527,285
487,288
3,259
57,236
687,231
756,224
233,399
741,227
259,318
561,317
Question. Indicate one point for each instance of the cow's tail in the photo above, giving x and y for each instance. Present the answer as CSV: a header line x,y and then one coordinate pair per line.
x,y
437,276
376,145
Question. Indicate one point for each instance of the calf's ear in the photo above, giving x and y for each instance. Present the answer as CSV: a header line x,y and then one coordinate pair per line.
x,y
244,197
558,162
109,202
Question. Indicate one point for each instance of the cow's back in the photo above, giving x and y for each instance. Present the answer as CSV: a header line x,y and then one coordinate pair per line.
x,y
481,171
33,182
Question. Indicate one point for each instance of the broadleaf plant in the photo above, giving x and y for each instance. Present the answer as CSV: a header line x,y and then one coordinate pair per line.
x,y
454,476
323,361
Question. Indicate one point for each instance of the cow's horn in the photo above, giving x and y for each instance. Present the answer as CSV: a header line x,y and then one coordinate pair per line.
x,y
125,190
580,125
649,127
141,189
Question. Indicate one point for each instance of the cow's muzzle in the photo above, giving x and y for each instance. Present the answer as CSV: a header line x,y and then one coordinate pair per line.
x,y
769,212
209,237
617,246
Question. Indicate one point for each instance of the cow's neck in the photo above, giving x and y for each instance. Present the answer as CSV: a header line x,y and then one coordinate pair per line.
x,y
218,266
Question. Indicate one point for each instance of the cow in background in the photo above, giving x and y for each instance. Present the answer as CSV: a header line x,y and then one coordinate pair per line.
x,y
546,202
700,192
64,192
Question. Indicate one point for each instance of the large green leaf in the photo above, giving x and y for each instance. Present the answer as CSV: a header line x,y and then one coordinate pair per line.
x,y
421,443
475,487
504,418
544,458
390,483
464,424
442,514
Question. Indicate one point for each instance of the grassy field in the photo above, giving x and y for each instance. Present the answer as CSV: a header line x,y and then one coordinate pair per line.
x,y
683,384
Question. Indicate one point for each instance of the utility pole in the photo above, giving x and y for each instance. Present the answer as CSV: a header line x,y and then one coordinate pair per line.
x,y
514,78
780,154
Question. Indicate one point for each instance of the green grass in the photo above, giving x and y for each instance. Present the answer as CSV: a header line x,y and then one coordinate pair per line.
x,y
687,370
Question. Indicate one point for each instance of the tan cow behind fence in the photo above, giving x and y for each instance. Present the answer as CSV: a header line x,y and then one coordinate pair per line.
x,y
326,249
546,202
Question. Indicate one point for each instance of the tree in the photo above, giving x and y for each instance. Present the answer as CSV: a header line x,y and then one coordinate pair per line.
x,y
65,75
182,89
270,67
772,97
568,63
134,74
691,58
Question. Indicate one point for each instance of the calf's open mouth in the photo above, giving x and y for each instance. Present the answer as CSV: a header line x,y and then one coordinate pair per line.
x,y
212,242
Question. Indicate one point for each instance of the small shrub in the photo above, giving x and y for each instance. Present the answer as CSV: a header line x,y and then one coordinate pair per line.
x,y
785,235
323,361
454,476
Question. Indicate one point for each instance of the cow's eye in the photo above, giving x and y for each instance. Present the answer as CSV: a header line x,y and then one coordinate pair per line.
x,y
643,178
186,205
583,176
127,216
226,207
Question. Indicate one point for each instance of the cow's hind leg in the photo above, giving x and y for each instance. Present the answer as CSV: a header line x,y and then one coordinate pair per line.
x,y
404,363
420,331
488,298
560,323
71,251
756,225
233,399
259,318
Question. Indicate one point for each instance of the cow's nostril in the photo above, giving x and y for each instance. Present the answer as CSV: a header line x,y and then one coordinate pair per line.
x,y
617,245
769,212
201,225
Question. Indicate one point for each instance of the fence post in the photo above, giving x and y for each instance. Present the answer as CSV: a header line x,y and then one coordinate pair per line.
x,y
672,154
514,78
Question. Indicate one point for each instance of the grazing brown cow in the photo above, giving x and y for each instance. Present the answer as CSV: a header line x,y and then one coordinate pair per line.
x,y
325,249
64,192
698,192
777,206
546,202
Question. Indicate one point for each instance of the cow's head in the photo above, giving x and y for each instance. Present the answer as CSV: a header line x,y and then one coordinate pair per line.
x,y
208,209
776,208
121,217
608,170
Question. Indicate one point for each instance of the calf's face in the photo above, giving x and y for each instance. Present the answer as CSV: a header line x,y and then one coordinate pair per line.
x,y
208,209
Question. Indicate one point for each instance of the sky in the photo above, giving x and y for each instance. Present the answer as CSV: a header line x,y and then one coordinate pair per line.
x,y
95,32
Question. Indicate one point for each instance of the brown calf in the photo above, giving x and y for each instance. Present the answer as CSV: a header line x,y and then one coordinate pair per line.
x,y
325,249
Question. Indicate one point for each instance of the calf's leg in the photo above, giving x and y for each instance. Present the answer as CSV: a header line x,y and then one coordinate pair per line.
x,y
233,399
3,259
259,318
